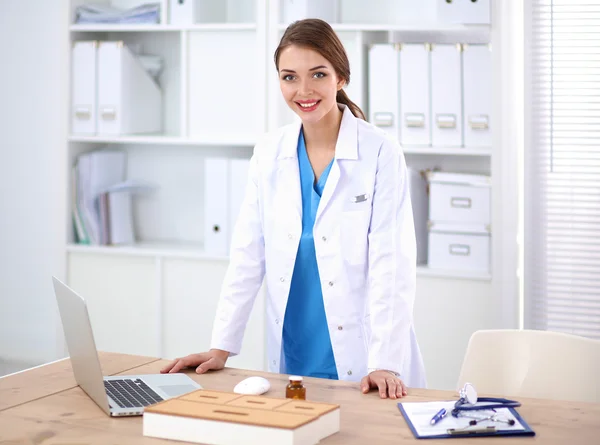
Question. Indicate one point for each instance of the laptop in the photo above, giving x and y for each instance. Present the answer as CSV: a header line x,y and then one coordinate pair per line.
x,y
116,395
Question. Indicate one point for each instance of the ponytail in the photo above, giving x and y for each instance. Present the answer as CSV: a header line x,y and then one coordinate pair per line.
x,y
343,98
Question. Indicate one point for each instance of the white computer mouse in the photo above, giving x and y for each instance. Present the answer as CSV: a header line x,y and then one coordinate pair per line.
x,y
254,385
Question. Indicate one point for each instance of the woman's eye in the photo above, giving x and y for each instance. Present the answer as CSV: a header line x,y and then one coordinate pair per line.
x,y
319,75
288,77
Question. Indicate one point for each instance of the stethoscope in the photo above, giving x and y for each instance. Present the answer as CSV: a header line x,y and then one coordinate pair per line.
x,y
468,400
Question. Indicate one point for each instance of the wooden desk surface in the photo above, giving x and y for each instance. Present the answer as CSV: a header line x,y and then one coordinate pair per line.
x,y
44,405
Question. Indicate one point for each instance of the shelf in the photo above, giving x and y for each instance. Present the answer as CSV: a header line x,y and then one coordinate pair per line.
x,y
195,251
457,151
424,27
102,27
163,140
424,271
150,249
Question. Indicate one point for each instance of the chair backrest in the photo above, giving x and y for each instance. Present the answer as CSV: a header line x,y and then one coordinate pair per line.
x,y
531,363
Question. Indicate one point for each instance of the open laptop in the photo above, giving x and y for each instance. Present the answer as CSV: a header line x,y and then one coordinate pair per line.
x,y
116,395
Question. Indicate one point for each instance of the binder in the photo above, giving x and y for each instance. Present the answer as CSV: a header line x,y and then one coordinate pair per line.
x,y
383,87
420,207
446,96
129,100
216,206
301,9
415,115
464,12
182,12
238,178
477,92
83,94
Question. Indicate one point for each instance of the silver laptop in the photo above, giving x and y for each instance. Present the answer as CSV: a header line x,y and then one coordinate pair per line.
x,y
116,395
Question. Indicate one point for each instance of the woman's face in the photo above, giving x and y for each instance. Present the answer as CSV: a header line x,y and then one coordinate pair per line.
x,y
308,83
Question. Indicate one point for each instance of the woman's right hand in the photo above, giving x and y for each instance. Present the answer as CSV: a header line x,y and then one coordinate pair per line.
x,y
214,359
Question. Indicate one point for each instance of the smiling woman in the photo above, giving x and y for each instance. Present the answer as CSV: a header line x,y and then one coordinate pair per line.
x,y
327,220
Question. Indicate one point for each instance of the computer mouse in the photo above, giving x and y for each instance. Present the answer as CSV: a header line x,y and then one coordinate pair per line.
x,y
254,385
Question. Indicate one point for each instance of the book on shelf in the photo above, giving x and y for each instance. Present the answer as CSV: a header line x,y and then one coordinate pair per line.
x,y
93,13
226,418
101,199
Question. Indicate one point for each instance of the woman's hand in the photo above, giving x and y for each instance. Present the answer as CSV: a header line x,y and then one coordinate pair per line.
x,y
388,384
214,359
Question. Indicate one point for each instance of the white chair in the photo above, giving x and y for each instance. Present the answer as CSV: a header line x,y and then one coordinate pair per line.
x,y
531,363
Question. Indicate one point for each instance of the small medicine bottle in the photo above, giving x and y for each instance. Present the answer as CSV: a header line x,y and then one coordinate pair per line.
x,y
295,389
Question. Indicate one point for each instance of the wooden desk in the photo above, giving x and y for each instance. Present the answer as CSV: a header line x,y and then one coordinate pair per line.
x,y
45,406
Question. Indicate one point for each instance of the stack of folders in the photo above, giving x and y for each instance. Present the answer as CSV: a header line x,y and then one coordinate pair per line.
x,y
101,199
114,90
99,13
224,418
224,190
432,94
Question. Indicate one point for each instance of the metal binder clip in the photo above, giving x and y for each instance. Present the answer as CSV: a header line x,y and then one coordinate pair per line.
x,y
469,430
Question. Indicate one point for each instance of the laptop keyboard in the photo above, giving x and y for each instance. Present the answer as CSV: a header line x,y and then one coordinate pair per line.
x,y
130,393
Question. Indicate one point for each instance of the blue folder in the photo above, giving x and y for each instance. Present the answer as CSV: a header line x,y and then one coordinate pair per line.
x,y
477,431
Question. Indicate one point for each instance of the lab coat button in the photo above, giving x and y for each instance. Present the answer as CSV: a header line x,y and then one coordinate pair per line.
x,y
350,372
277,321
274,362
290,236
331,283
340,328
281,279
324,239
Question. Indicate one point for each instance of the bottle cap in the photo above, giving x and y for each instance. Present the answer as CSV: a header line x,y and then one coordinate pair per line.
x,y
295,378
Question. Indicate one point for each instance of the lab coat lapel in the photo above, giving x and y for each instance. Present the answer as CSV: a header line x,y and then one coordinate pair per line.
x,y
346,148
288,171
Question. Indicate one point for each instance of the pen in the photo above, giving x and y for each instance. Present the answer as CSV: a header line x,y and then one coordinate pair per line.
x,y
439,416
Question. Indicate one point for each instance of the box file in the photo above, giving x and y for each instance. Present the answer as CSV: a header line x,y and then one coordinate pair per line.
x,y
477,95
83,94
420,206
415,114
467,12
301,9
459,247
459,198
383,87
182,12
129,100
216,206
446,95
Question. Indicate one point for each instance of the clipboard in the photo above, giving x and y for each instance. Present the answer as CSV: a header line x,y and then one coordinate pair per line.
x,y
486,429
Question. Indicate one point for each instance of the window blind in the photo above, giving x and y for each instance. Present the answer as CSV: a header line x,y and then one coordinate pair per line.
x,y
562,168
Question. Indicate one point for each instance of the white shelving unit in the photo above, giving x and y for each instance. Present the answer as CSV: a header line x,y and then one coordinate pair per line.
x,y
220,93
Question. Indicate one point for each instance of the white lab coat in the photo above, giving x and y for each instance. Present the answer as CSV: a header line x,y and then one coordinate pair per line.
x,y
365,247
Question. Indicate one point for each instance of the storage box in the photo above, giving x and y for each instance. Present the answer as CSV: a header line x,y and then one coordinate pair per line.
x,y
459,247
301,9
459,198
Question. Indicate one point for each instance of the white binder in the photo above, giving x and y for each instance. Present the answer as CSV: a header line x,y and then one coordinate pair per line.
x,y
301,9
383,87
415,114
216,206
182,12
129,100
471,12
420,207
446,96
477,95
83,94
238,178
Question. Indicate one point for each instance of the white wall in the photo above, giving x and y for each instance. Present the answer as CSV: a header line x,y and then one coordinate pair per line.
x,y
33,128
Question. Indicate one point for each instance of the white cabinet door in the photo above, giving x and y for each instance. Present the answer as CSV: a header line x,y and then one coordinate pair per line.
x,y
122,300
191,291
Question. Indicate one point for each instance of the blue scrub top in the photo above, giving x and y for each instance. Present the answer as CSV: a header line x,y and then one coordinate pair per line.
x,y
306,343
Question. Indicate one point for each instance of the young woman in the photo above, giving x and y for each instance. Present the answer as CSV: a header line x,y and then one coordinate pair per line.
x,y
327,220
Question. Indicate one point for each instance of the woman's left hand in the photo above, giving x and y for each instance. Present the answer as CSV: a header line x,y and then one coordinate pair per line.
x,y
387,383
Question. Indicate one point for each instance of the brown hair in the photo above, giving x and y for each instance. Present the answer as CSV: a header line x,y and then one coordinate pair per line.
x,y
319,36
